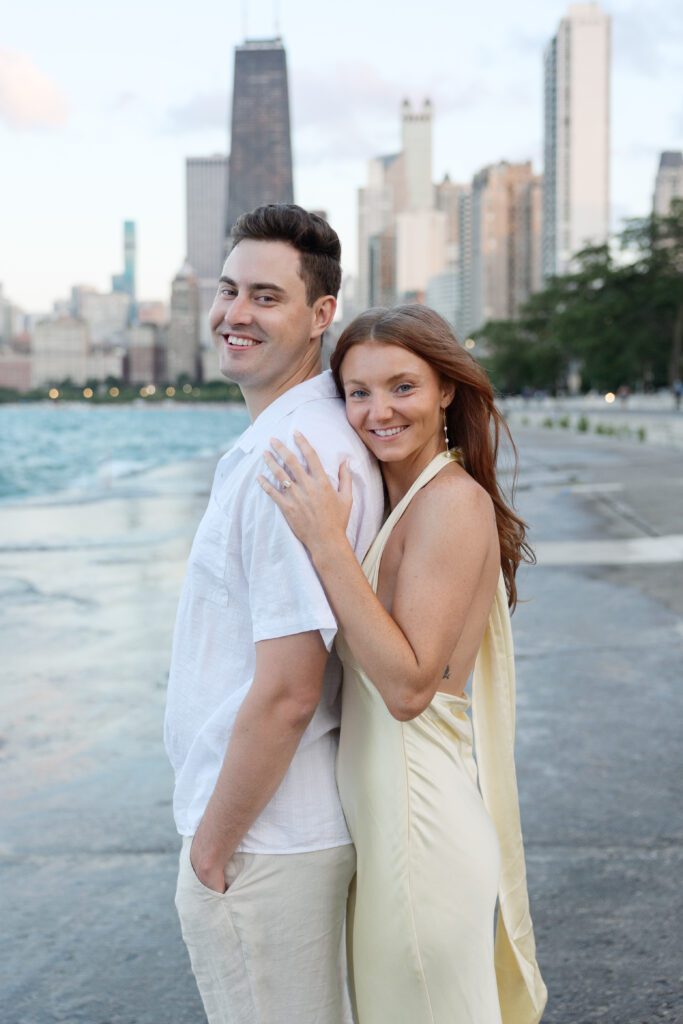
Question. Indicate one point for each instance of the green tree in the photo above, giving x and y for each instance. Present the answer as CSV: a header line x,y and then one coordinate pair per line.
x,y
620,321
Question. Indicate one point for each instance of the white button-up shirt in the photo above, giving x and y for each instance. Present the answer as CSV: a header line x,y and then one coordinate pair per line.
x,y
249,579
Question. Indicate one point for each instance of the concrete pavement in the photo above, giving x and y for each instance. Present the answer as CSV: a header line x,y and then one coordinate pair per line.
x,y
600,669
88,851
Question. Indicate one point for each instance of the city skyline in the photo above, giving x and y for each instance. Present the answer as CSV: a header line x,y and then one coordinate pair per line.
x,y
84,149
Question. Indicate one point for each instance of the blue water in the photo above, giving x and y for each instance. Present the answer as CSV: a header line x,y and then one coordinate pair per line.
x,y
46,448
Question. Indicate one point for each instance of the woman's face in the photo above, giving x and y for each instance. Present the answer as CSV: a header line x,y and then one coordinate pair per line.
x,y
394,401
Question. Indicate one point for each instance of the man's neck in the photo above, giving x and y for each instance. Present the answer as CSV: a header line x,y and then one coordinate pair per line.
x,y
258,399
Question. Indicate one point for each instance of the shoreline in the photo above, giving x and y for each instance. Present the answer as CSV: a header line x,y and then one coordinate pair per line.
x,y
72,455
156,477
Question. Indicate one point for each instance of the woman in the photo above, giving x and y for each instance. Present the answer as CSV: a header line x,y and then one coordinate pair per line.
x,y
429,605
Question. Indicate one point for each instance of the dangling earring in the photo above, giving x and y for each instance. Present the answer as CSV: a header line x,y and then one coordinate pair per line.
x,y
452,453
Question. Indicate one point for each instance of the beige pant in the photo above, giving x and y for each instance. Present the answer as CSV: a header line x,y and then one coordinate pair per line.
x,y
271,949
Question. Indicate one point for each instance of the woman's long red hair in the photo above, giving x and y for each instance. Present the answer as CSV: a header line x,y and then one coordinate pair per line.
x,y
474,422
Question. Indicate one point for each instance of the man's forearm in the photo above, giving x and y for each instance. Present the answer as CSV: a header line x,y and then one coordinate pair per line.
x,y
264,740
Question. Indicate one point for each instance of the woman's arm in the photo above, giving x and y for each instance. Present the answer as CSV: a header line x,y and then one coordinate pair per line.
x,y
451,532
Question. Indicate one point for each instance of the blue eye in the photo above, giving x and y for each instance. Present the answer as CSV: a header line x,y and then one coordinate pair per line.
x,y
408,387
357,393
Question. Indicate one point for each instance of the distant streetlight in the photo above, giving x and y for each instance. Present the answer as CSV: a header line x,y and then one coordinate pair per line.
x,y
114,392
53,393
610,397
470,343
170,391
87,392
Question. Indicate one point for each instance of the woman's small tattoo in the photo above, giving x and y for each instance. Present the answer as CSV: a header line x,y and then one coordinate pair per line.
x,y
446,672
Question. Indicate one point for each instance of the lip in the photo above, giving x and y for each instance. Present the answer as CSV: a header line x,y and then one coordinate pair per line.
x,y
240,348
389,437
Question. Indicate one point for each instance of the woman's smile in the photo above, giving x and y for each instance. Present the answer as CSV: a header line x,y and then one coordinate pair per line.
x,y
386,433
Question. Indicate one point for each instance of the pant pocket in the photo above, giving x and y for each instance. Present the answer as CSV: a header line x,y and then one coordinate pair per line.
x,y
192,896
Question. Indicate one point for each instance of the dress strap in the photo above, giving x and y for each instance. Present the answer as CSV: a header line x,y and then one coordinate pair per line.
x,y
521,990
374,556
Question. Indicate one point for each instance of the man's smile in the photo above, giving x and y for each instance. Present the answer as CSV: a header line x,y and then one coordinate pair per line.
x,y
240,341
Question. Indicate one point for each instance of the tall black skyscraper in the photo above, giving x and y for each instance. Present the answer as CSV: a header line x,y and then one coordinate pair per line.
x,y
261,149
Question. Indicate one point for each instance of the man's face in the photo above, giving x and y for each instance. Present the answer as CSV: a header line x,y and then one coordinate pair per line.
x,y
261,323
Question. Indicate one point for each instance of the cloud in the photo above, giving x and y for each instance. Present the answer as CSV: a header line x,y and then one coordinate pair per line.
x,y
29,99
647,39
349,111
345,112
207,110
125,101
341,93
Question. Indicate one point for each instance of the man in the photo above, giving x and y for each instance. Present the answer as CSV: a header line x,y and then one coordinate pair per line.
x,y
253,703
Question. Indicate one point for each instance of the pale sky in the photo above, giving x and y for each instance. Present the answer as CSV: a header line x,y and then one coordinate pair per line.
x,y
101,103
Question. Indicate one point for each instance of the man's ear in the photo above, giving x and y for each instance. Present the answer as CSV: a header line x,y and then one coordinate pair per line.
x,y
324,309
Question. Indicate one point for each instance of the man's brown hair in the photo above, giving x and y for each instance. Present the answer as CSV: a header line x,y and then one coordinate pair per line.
x,y
316,242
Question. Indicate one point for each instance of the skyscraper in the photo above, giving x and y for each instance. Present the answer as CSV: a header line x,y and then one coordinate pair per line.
x,y
126,282
668,183
183,355
261,150
576,136
206,193
421,228
378,203
402,235
499,244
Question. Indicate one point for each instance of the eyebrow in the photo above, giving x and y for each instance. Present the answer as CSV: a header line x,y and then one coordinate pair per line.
x,y
258,286
391,380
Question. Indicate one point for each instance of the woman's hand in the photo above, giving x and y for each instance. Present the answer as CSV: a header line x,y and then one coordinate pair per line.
x,y
317,514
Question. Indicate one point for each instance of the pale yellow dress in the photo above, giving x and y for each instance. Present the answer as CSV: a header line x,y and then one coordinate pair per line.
x,y
434,853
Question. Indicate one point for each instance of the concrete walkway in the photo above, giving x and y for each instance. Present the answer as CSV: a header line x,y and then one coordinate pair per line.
x,y
600,665
88,851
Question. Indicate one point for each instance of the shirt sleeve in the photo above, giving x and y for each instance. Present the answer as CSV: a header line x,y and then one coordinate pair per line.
x,y
285,594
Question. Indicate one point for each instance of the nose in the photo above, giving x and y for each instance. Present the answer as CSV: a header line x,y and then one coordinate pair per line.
x,y
381,409
238,311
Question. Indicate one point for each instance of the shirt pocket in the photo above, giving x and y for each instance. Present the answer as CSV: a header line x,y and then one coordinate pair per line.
x,y
208,558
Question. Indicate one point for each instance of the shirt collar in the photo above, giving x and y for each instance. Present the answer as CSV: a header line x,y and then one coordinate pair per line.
x,y
322,386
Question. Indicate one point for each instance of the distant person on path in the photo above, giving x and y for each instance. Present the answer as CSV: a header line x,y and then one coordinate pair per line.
x,y
428,607
253,711
678,392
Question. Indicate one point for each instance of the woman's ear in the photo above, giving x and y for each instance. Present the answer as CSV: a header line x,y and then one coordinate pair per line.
x,y
447,394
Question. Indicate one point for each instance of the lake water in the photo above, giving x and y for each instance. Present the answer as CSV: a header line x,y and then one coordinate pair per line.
x,y
51,448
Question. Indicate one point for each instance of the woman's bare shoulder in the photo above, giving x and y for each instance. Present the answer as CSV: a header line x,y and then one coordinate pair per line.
x,y
453,496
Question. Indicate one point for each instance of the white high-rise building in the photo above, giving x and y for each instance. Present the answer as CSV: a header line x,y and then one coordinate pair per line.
x,y
206,185
416,138
421,228
668,183
576,136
